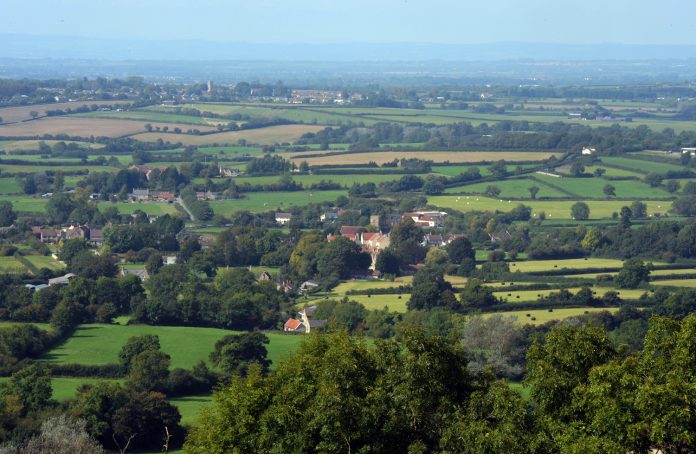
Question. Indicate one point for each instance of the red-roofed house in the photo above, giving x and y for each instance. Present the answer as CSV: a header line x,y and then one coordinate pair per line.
x,y
294,326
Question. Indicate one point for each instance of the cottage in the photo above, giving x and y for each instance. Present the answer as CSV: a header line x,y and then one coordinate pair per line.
x,y
141,273
265,276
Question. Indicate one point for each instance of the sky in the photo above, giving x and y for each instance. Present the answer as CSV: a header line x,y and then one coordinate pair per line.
x,y
359,21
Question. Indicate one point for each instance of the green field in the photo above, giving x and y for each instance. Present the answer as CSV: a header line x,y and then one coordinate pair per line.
x,y
512,188
190,406
452,171
11,265
686,283
66,387
599,209
548,265
641,165
269,201
9,186
232,151
100,344
543,315
152,208
523,296
609,171
378,302
594,187
44,261
308,180
6,324
26,203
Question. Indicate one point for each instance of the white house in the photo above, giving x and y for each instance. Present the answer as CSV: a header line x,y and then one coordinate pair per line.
x,y
588,151
283,218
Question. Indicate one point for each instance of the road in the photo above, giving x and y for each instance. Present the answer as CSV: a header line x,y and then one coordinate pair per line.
x,y
180,201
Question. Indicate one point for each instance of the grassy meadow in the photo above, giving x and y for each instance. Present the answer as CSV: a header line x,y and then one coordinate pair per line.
x,y
186,345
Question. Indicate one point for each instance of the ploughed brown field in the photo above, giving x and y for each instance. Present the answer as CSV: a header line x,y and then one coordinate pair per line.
x,y
381,157
260,136
21,113
86,127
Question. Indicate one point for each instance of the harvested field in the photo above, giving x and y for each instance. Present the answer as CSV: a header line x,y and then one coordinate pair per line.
x,y
262,136
381,157
21,113
85,127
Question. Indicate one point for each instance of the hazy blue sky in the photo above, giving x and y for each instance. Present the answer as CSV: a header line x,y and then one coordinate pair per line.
x,y
316,21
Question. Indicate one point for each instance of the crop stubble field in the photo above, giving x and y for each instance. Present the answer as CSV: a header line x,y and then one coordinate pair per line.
x,y
86,127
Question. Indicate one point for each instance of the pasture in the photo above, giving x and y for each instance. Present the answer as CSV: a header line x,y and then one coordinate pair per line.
x,y
641,166
513,187
26,203
86,127
262,136
268,201
186,345
559,209
382,157
594,187
542,316
454,170
523,296
395,303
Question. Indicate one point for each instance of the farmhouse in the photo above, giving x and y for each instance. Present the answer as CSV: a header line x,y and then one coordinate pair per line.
x,y
427,218
439,240
283,218
54,235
